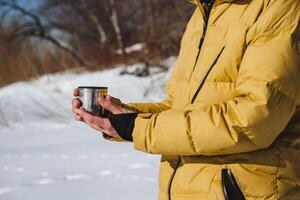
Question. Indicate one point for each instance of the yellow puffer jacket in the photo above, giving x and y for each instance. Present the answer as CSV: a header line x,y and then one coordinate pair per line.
x,y
233,104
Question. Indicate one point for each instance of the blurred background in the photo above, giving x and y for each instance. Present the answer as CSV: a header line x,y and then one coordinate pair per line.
x,y
46,36
50,47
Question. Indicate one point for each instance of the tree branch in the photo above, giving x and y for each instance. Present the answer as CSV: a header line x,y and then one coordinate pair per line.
x,y
38,30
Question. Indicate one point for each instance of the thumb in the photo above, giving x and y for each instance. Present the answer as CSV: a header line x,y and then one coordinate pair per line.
x,y
108,104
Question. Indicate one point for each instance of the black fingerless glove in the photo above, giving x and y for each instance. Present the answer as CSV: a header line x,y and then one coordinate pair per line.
x,y
123,124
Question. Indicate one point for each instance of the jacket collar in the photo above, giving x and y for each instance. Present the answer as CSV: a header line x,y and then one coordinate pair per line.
x,y
216,1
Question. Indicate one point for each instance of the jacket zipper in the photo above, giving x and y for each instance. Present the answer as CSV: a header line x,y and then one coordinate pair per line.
x,y
205,25
204,79
173,175
200,46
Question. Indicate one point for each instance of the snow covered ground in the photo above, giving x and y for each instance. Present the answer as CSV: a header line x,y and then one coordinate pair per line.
x,y
46,155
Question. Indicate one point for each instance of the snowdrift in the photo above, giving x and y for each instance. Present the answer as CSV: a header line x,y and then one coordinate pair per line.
x,y
48,98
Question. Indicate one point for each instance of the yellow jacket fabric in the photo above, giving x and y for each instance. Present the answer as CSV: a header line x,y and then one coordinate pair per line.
x,y
235,107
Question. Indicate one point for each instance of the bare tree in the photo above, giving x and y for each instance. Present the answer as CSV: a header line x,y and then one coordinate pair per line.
x,y
115,23
94,19
89,33
37,29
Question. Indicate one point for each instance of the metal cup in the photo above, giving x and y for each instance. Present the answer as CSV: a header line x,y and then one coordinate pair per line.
x,y
89,95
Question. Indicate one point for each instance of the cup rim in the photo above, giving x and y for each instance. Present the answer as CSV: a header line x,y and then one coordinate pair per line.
x,y
91,87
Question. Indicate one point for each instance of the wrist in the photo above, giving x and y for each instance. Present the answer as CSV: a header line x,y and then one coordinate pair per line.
x,y
123,124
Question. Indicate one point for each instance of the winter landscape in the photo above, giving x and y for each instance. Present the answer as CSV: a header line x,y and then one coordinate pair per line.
x,y
50,47
46,155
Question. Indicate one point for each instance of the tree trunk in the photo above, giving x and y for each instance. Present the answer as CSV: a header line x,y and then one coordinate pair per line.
x,y
115,23
103,39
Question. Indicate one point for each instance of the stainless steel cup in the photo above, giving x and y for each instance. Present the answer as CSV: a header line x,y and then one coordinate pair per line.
x,y
89,95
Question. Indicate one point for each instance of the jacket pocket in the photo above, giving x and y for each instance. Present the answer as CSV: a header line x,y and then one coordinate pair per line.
x,y
255,180
205,77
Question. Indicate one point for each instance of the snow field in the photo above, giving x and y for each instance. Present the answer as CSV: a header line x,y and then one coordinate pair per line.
x,y
46,155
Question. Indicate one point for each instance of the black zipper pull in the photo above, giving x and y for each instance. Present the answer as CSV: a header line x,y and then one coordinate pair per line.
x,y
230,186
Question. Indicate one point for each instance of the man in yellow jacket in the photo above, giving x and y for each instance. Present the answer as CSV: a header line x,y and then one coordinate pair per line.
x,y
230,125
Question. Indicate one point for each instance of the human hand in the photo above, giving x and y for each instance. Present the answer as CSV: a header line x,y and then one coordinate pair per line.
x,y
109,103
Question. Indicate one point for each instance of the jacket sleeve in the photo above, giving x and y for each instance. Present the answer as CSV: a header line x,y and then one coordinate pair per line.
x,y
149,107
154,108
266,90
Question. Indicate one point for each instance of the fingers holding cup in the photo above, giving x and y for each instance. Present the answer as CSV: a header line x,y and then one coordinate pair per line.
x,y
76,103
109,105
76,92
